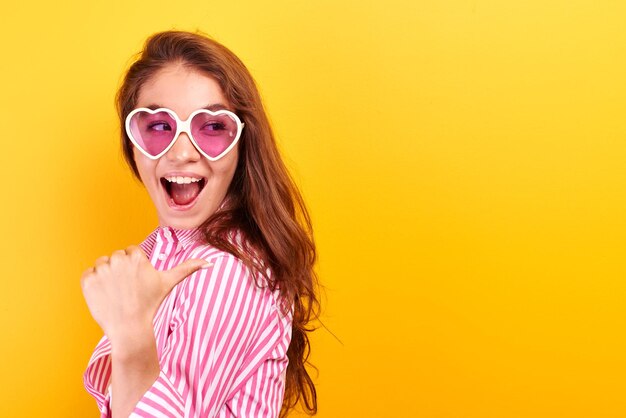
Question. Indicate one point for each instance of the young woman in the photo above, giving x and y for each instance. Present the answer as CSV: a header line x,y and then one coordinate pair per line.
x,y
209,316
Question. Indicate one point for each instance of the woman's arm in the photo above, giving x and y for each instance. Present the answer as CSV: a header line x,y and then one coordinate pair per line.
x,y
135,367
223,330
123,293
226,344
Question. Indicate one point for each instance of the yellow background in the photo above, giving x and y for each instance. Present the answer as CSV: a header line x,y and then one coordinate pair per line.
x,y
465,166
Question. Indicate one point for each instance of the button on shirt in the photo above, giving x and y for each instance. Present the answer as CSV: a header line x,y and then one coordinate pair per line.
x,y
221,339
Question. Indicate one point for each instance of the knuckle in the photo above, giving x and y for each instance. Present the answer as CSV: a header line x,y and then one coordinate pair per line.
x,y
86,278
135,252
116,256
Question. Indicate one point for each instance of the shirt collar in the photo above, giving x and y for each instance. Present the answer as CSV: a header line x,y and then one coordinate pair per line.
x,y
182,237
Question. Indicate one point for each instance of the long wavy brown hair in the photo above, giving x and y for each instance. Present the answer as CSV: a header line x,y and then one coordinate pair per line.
x,y
262,202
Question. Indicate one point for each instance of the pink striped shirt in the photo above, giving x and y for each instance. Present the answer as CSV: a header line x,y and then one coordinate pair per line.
x,y
221,339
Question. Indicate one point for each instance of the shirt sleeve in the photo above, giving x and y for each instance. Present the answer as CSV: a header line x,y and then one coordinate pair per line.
x,y
262,395
224,329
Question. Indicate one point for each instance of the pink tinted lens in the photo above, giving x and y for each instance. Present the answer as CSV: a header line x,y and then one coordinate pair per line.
x,y
152,132
213,133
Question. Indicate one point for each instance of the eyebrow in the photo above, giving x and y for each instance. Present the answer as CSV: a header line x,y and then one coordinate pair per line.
x,y
212,107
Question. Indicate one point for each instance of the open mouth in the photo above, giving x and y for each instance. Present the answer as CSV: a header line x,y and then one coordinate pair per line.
x,y
182,191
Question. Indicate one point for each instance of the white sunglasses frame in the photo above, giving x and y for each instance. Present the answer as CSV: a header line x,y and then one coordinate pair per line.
x,y
184,126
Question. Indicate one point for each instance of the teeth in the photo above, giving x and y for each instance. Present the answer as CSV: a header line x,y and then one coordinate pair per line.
x,y
182,180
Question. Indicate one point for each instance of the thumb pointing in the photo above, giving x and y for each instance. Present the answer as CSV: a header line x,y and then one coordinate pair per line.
x,y
178,273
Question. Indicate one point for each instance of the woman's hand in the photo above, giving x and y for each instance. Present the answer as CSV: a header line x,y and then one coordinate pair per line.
x,y
124,291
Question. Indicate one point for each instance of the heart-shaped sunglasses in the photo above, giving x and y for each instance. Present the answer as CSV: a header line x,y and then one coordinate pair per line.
x,y
154,132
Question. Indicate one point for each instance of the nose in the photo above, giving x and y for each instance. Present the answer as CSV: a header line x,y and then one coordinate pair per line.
x,y
183,150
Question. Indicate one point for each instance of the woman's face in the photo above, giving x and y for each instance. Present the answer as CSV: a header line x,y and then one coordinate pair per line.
x,y
188,203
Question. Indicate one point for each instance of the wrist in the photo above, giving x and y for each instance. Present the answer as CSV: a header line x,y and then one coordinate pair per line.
x,y
135,367
133,343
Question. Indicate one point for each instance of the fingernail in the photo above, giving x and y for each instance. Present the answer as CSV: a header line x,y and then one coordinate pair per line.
x,y
206,265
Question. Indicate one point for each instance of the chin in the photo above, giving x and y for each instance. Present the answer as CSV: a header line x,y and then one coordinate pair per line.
x,y
183,220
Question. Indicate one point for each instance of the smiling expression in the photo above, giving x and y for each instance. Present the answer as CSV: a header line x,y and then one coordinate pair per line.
x,y
185,187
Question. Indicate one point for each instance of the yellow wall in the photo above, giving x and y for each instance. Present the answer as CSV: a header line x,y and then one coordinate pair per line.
x,y
464,162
